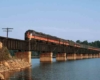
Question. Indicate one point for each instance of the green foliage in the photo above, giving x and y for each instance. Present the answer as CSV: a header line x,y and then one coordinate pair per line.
x,y
94,44
78,41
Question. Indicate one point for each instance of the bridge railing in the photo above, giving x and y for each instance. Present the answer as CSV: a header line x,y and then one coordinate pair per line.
x,y
14,44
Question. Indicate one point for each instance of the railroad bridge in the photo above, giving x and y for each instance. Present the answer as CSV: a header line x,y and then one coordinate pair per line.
x,y
71,51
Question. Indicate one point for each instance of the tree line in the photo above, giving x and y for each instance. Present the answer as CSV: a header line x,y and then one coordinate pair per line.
x,y
94,44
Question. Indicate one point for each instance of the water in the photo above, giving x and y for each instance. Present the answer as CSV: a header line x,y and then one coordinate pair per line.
x,y
86,69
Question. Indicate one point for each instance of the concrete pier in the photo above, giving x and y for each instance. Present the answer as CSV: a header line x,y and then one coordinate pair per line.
x,y
74,55
85,56
79,56
70,57
99,55
46,57
61,57
93,55
90,56
26,56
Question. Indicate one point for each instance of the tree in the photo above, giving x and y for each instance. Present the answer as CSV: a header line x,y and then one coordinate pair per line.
x,y
78,41
85,42
94,44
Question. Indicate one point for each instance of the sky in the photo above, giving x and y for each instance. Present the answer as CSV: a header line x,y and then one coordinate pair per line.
x,y
67,19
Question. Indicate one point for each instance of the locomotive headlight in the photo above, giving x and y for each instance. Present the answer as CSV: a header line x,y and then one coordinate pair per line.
x,y
30,36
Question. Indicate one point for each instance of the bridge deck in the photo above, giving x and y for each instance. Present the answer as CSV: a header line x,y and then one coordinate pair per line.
x,y
17,44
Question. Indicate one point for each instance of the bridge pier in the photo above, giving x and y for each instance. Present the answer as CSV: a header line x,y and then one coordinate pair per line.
x,y
96,55
74,55
71,56
26,56
93,55
79,56
46,57
85,56
99,55
61,56
90,56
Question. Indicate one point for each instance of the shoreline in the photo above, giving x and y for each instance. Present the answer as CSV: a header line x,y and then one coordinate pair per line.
x,y
12,66
8,63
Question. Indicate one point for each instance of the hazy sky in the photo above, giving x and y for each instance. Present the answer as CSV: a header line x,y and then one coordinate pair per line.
x,y
68,19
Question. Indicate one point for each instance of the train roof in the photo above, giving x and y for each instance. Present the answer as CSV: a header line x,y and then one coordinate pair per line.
x,y
70,41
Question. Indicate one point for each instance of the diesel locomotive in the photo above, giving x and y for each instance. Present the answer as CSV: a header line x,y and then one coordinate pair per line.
x,y
38,36
31,34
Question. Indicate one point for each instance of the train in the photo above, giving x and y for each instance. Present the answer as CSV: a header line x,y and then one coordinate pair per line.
x,y
39,36
31,34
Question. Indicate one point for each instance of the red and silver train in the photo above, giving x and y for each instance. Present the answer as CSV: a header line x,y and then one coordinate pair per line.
x,y
31,34
38,36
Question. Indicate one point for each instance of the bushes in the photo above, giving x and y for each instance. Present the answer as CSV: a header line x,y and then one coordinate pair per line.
x,y
4,54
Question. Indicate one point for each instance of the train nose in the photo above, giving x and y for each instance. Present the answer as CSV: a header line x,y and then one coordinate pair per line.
x,y
30,34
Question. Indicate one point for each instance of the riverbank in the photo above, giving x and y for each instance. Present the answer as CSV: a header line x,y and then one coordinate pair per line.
x,y
9,63
12,65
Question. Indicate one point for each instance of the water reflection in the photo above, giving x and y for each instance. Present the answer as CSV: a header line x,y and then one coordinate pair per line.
x,y
87,69
24,74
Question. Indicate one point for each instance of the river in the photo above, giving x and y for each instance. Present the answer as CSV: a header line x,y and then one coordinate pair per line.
x,y
86,69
